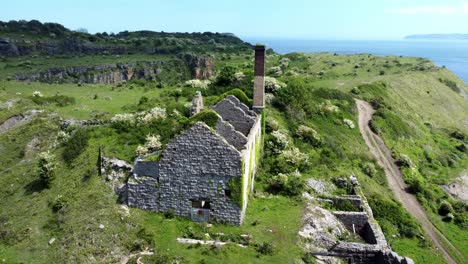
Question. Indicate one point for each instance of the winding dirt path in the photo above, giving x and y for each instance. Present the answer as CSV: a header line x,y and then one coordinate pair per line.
x,y
395,180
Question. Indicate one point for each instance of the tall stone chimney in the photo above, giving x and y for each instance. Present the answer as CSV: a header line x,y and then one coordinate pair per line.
x,y
259,81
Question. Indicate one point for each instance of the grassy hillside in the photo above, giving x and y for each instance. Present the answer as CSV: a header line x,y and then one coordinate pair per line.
x,y
77,218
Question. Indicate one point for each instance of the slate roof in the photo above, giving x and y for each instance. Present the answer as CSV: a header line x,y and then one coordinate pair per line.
x,y
147,168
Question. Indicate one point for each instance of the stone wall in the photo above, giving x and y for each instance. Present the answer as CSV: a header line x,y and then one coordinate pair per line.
x,y
143,193
197,104
235,115
234,137
353,221
198,165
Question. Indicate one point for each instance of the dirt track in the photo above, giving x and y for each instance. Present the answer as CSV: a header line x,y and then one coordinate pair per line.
x,y
395,180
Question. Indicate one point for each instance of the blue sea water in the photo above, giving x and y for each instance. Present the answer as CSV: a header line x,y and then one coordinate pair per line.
x,y
450,53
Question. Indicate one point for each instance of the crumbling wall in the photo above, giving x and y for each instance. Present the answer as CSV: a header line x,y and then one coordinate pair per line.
x,y
235,115
198,165
197,104
234,137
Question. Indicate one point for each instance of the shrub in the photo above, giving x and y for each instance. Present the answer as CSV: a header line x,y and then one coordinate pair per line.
x,y
169,214
226,76
75,145
199,84
46,167
272,85
369,169
345,205
445,208
309,134
275,71
265,248
451,84
290,184
278,141
271,124
385,209
295,157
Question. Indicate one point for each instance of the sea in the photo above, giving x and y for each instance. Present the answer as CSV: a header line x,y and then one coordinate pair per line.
x,y
452,54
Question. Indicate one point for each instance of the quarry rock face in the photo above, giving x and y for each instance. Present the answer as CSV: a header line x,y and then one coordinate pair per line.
x,y
12,47
201,66
197,67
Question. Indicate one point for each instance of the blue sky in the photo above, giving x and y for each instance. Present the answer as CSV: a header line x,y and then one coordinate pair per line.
x,y
304,19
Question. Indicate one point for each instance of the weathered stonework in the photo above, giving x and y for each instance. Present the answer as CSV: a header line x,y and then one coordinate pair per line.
x,y
235,115
205,173
259,78
235,138
197,104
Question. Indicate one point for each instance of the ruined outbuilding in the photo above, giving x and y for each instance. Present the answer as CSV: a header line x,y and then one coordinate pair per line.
x,y
206,173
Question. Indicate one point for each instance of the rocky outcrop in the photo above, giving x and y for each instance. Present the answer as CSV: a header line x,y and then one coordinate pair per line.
x,y
7,48
171,71
18,120
108,73
12,47
202,67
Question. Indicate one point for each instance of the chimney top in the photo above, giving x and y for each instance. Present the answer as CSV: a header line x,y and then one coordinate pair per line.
x,y
259,78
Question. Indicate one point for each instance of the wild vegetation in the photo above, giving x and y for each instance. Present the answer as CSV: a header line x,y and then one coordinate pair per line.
x,y
55,206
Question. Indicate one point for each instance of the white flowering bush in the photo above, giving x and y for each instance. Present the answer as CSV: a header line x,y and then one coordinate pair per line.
x,y
153,142
271,124
37,94
200,84
295,157
328,107
269,98
175,113
62,137
153,114
141,150
272,85
275,71
239,76
349,123
278,142
309,134
123,118
284,62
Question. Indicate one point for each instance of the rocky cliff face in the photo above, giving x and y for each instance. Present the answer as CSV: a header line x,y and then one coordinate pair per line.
x,y
11,47
171,71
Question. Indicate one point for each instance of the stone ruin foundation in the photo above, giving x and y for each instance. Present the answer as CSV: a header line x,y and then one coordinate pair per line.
x,y
374,247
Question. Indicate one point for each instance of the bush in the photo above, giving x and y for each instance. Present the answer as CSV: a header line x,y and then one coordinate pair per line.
x,y
385,209
226,77
445,208
46,167
369,169
265,248
278,141
169,214
310,135
291,184
75,145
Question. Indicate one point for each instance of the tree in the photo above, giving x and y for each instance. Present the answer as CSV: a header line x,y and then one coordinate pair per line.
x,y
226,77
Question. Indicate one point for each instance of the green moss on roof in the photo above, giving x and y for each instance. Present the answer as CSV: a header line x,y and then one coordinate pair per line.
x,y
208,116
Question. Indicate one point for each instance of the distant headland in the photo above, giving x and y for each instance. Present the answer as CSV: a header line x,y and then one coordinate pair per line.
x,y
439,36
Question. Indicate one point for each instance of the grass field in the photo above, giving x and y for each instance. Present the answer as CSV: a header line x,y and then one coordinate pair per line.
x,y
27,213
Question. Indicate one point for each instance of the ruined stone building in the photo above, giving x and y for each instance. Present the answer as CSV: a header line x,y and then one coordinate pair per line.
x,y
206,173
